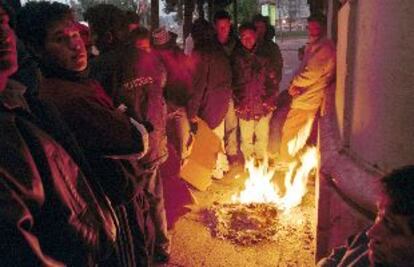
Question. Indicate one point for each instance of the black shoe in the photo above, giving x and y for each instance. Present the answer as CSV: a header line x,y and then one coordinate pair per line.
x,y
161,256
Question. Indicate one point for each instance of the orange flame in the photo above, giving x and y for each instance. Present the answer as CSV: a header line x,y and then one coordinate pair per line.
x,y
259,187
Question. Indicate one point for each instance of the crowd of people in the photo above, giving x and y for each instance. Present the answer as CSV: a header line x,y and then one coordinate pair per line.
x,y
87,114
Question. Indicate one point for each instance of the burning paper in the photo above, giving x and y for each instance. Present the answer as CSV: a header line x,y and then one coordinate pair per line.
x,y
242,224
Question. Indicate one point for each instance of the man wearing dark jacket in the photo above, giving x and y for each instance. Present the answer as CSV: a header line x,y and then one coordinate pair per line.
x,y
50,213
132,77
255,85
265,44
228,43
211,92
177,91
113,142
144,78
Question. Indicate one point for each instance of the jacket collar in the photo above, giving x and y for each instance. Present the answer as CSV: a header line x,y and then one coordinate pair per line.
x,y
52,70
13,96
314,45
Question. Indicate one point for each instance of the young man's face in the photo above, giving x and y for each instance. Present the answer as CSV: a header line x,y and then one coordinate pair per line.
x,y
143,44
391,238
222,27
133,26
248,38
260,29
64,46
315,30
8,52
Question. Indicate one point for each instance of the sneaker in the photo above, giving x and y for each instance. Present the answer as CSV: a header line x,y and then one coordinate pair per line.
x,y
222,162
217,173
222,166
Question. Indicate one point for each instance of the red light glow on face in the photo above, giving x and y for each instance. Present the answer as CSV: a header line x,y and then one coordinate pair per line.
x,y
248,38
223,28
391,238
65,46
143,44
8,53
314,29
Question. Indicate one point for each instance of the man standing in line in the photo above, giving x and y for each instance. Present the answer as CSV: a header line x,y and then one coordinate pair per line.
x,y
228,42
255,87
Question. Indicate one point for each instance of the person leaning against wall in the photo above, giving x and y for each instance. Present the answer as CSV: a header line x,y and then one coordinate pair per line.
x,y
307,89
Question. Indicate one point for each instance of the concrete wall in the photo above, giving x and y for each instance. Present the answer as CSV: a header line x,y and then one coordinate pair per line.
x,y
382,122
346,192
342,69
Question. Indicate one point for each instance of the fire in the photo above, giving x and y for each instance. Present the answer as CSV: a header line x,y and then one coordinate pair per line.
x,y
260,188
296,144
296,188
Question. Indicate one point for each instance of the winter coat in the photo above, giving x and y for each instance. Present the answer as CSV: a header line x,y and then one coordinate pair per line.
x,y
211,90
108,68
113,147
315,74
143,80
267,48
230,46
123,69
51,214
102,131
255,84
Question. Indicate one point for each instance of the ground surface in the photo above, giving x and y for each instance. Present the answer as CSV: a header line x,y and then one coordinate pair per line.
x,y
194,245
